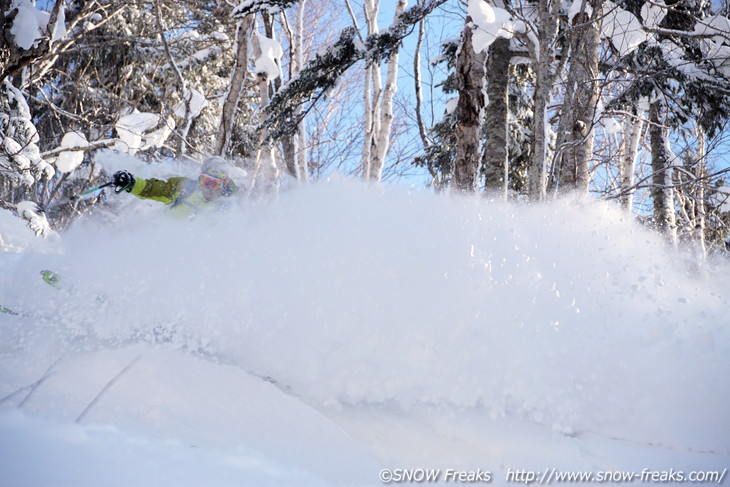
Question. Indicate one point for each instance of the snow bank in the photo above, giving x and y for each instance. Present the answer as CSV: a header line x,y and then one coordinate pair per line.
x,y
15,235
568,315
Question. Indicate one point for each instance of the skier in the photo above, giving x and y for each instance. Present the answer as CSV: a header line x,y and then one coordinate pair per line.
x,y
185,196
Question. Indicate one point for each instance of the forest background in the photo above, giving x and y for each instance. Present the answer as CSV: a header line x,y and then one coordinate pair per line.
x,y
623,100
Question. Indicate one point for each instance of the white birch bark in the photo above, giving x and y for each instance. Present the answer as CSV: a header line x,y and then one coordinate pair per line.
x,y
230,105
293,147
266,168
371,93
300,141
700,210
577,133
386,111
661,192
630,141
542,60
378,101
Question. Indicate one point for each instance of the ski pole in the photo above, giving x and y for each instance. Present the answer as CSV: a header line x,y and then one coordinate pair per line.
x,y
84,193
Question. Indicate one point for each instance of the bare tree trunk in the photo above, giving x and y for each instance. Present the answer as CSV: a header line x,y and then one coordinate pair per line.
x,y
230,105
542,59
386,111
661,192
186,93
417,85
379,101
497,117
470,72
294,146
267,169
690,196
581,99
700,210
300,153
371,94
630,141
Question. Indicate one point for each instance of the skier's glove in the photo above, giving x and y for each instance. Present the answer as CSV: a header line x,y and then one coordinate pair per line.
x,y
123,181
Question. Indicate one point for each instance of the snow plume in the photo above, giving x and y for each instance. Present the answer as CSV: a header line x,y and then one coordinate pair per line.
x,y
567,315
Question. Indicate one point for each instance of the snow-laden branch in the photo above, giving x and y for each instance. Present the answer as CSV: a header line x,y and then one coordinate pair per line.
x,y
271,7
99,144
323,72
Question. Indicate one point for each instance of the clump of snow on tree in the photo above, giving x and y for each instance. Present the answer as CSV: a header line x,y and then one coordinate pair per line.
x,y
579,7
67,161
142,130
19,139
490,23
31,24
195,100
716,48
653,13
36,218
622,28
269,58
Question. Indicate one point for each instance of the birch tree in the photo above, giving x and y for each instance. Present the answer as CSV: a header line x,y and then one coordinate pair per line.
x,y
295,146
545,31
661,164
378,99
576,131
244,29
631,137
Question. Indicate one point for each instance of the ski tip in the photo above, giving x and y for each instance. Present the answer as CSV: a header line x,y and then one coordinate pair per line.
x,y
5,310
51,278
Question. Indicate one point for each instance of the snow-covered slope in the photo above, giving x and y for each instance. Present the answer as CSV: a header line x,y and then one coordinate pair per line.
x,y
404,330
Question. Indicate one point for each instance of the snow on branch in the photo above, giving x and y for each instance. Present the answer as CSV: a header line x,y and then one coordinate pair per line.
x,y
271,7
35,216
28,33
322,73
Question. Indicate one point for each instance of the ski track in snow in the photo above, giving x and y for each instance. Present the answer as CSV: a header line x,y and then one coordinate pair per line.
x,y
403,330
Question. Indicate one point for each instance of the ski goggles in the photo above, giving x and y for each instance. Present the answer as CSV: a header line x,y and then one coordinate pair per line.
x,y
211,182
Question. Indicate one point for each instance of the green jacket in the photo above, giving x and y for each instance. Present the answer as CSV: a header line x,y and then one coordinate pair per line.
x,y
182,194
